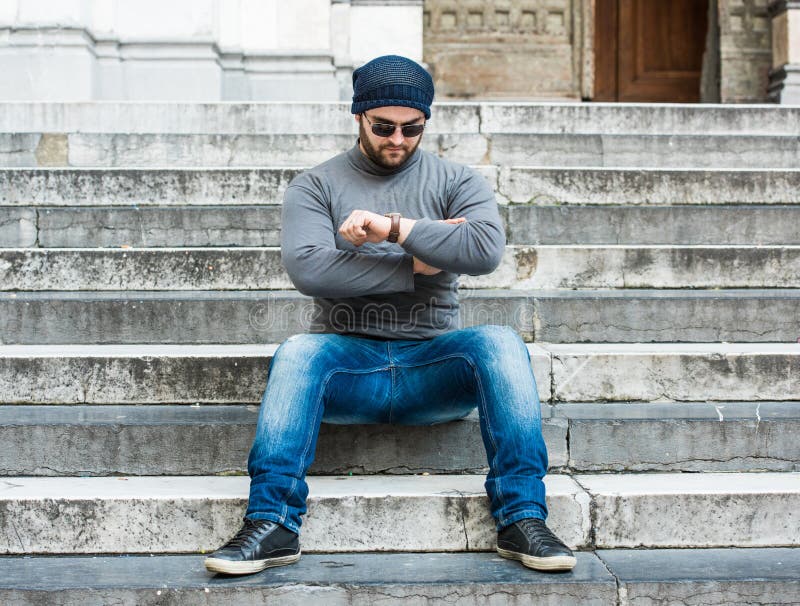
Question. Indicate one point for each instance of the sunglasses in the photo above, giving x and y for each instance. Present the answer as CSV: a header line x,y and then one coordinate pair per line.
x,y
387,130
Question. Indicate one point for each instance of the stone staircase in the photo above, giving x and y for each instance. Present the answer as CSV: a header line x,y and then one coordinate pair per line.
x,y
653,266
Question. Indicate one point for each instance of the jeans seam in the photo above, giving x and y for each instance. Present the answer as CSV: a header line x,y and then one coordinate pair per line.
x,y
498,483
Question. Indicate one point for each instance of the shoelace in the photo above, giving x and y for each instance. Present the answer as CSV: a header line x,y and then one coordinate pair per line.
x,y
537,532
245,534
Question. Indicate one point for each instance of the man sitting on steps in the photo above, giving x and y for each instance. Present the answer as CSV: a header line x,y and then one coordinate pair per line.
x,y
386,346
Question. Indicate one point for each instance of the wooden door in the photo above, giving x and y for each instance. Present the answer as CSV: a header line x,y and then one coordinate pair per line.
x,y
649,50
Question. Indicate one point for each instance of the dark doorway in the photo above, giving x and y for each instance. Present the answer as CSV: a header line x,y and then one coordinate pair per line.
x,y
649,50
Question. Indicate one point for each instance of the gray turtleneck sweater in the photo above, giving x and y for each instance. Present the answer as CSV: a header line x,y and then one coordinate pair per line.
x,y
371,289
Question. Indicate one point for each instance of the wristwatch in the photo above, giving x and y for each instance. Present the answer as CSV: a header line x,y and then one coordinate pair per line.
x,y
394,230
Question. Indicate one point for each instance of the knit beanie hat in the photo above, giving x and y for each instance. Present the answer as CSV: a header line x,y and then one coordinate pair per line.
x,y
392,80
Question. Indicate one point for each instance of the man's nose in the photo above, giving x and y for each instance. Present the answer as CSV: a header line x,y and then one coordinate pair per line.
x,y
397,137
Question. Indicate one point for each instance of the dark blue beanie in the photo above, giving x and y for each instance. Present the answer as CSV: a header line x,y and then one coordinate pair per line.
x,y
392,80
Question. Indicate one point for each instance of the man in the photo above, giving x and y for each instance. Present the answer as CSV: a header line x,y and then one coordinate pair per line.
x,y
378,236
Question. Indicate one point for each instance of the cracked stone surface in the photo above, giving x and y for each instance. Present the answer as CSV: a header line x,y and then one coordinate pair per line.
x,y
187,514
634,118
695,510
650,186
625,150
202,316
730,577
749,436
150,374
342,579
17,227
199,440
174,187
675,372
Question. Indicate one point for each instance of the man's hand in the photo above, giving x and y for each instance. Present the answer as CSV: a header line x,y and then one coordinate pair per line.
x,y
424,268
365,226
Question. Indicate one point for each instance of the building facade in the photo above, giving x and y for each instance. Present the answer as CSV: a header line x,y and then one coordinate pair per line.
x,y
249,50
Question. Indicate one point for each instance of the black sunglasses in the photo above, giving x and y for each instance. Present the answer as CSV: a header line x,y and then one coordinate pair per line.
x,y
387,130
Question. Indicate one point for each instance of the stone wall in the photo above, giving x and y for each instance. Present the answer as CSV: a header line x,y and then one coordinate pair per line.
x,y
745,50
506,48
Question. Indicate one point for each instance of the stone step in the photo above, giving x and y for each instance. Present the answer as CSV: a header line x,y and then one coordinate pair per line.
x,y
720,577
289,150
410,579
526,224
522,267
204,440
559,316
236,374
460,117
379,513
190,514
170,186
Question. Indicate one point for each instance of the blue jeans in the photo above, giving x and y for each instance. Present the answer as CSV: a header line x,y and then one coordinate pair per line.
x,y
349,379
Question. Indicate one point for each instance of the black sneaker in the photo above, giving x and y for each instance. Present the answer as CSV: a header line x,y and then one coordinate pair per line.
x,y
533,544
258,545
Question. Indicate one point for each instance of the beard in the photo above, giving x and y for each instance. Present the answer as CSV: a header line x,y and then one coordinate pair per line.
x,y
387,155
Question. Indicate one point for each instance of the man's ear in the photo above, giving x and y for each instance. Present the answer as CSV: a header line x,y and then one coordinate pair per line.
x,y
357,117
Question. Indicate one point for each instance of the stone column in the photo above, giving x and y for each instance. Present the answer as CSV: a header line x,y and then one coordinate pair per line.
x,y
744,40
784,78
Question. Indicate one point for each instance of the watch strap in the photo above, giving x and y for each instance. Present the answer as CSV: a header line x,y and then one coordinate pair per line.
x,y
394,229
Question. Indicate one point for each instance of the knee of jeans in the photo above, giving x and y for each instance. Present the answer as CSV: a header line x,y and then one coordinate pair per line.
x,y
499,340
301,346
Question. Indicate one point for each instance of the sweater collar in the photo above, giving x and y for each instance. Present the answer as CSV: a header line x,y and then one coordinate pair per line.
x,y
361,162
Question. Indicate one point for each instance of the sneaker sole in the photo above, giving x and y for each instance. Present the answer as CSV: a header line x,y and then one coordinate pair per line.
x,y
248,567
547,564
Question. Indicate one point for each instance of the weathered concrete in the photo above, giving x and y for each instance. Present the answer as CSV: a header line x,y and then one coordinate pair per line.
x,y
640,118
160,227
204,440
18,149
689,316
17,227
212,118
233,225
162,149
648,186
200,440
205,316
727,577
414,579
225,374
730,436
142,269
695,510
154,374
560,316
665,225
675,372
522,267
626,150
164,185
245,150
183,514
270,118
653,267
131,187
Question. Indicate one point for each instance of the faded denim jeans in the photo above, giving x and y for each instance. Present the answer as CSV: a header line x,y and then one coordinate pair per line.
x,y
349,379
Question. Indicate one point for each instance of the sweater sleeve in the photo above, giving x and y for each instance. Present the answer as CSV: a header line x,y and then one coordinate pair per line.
x,y
317,268
474,247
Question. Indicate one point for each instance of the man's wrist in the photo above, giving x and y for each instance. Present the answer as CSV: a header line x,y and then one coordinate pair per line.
x,y
406,225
